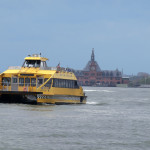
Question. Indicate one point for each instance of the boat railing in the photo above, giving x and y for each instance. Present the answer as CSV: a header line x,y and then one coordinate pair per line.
x,y
54,68
48,68
7,86
42,68
14,67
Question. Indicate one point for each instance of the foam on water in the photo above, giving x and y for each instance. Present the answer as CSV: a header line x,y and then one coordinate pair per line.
x,y
107,91
96,103
92,103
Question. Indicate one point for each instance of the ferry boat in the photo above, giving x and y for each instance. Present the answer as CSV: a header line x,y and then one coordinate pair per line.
x,y
37,83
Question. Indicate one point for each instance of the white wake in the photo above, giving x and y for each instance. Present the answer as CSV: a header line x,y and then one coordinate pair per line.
x,y
107,91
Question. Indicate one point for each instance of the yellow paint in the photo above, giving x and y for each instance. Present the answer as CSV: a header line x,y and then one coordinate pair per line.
x,y
11,72
65,75
53,101
36,58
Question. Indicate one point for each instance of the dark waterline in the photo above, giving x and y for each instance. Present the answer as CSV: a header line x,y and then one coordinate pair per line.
x,y
112,119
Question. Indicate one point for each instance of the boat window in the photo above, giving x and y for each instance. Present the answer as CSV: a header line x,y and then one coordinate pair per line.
x,y
63,83
57,82
37,63
69,84
54,83
27,81
76,85
43,64
48,84
33,82
40,81
21,81
6,81
14,80
72,82
45,79
32,63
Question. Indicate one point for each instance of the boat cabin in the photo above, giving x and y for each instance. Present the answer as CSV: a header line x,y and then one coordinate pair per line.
x,y
34,75
35,61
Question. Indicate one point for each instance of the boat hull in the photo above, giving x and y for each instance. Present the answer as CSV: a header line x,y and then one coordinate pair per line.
x,y
38,98
61,99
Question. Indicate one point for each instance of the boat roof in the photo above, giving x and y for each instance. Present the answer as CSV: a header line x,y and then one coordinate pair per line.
x,y
36,57
29,71
38,72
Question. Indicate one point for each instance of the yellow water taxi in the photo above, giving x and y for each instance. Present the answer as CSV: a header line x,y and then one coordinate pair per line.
x,y
37,83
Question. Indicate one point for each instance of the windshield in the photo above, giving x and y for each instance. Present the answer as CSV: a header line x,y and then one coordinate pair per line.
x,y
32,63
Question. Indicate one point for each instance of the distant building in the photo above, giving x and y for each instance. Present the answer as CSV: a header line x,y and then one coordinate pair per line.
x,y
125,80
92,75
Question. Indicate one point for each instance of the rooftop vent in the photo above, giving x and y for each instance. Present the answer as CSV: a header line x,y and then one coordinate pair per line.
x,y
36,55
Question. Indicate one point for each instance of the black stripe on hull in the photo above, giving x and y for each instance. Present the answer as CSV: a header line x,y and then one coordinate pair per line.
x,y
20,99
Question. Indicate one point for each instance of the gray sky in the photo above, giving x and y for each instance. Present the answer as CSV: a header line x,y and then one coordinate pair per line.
x,y
65,31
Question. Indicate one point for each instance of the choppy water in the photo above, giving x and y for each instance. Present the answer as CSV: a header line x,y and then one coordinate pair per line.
x,y
112,119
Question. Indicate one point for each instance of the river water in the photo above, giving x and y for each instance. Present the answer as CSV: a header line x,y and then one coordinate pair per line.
x,y
112,119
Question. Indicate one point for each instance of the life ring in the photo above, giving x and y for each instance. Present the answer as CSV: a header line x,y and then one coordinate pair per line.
x,y
24,89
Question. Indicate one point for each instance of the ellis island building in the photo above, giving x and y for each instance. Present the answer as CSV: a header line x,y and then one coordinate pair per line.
x,y
92,75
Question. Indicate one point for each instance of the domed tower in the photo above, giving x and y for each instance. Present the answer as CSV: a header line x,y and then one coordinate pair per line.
x,y
92,65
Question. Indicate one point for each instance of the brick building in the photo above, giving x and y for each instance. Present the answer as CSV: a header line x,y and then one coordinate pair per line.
x,y
92,75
